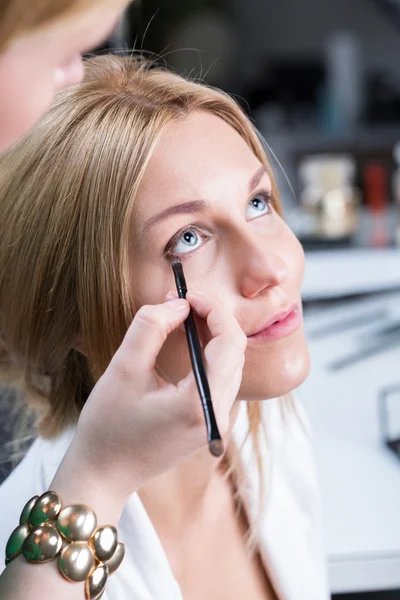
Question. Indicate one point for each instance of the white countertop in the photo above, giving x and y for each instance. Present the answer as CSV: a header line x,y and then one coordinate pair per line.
x,y
332,273
360,478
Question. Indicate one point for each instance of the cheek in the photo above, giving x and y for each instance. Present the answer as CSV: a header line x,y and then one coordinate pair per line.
x,y
293,256
27,86
300,259
273,370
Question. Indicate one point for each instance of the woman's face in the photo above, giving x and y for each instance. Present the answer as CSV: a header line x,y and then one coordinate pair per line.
x,y
35,66
206,198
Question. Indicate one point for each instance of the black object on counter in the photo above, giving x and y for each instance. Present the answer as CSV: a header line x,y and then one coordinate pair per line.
x,y
393,443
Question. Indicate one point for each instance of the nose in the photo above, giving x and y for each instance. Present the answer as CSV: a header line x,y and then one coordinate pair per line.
x,y
261,268
69,73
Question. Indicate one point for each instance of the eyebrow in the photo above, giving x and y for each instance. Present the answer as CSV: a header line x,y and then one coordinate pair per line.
x,y
195,206
255,180
185,208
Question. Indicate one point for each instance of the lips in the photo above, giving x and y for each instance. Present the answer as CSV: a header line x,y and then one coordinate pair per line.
x,y
280,325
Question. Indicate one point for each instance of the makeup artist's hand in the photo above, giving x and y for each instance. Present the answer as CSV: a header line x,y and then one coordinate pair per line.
x,y
135,425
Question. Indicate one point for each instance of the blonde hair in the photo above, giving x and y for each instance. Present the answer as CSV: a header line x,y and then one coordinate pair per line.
x,y
67,195
19,17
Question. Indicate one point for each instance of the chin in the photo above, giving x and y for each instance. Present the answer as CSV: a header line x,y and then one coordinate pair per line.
x,y
275,375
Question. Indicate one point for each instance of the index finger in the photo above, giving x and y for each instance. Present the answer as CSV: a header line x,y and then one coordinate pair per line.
x,y
146,335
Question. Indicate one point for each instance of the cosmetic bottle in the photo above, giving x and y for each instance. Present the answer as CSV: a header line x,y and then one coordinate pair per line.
x,y
396,191
330,196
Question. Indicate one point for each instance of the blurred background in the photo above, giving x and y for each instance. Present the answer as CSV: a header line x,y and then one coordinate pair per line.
x,y
321,81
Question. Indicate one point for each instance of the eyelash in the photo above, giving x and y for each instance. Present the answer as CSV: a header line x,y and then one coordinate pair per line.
x,y
266,196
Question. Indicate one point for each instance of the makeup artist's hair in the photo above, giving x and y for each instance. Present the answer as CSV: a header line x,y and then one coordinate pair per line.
x,y
19,17
67,192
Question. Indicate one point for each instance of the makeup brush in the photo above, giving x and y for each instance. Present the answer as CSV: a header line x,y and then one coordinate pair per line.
x,y
213,436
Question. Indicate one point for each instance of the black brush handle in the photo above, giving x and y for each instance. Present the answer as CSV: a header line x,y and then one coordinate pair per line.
x,y
201,378
196,358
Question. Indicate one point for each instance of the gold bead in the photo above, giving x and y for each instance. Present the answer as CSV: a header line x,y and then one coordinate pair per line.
x,y
46,508
77,523
116,559
42,544
76,561
104,542
16,540
27,509
96,583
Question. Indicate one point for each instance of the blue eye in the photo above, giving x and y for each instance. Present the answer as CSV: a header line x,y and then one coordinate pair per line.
x,y
187,241
190,239
259,205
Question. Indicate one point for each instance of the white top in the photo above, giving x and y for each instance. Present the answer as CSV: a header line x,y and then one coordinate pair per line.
x,y
290,535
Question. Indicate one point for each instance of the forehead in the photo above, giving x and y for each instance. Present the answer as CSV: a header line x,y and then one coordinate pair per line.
x,y
195,158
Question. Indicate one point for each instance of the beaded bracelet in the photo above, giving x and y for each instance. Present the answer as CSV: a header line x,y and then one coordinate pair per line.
x,y
84,551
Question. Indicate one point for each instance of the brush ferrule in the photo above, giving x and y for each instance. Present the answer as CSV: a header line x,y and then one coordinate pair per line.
x,y
180,280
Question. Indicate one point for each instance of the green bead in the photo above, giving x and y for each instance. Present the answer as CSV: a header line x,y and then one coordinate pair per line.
x,y
42,544
46,508
27,509
15,541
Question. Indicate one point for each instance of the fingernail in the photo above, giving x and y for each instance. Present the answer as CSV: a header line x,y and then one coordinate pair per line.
x,y
197,293
178,304
171,295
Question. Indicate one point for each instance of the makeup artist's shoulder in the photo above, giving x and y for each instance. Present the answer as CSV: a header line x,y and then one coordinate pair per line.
x,y
30,477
